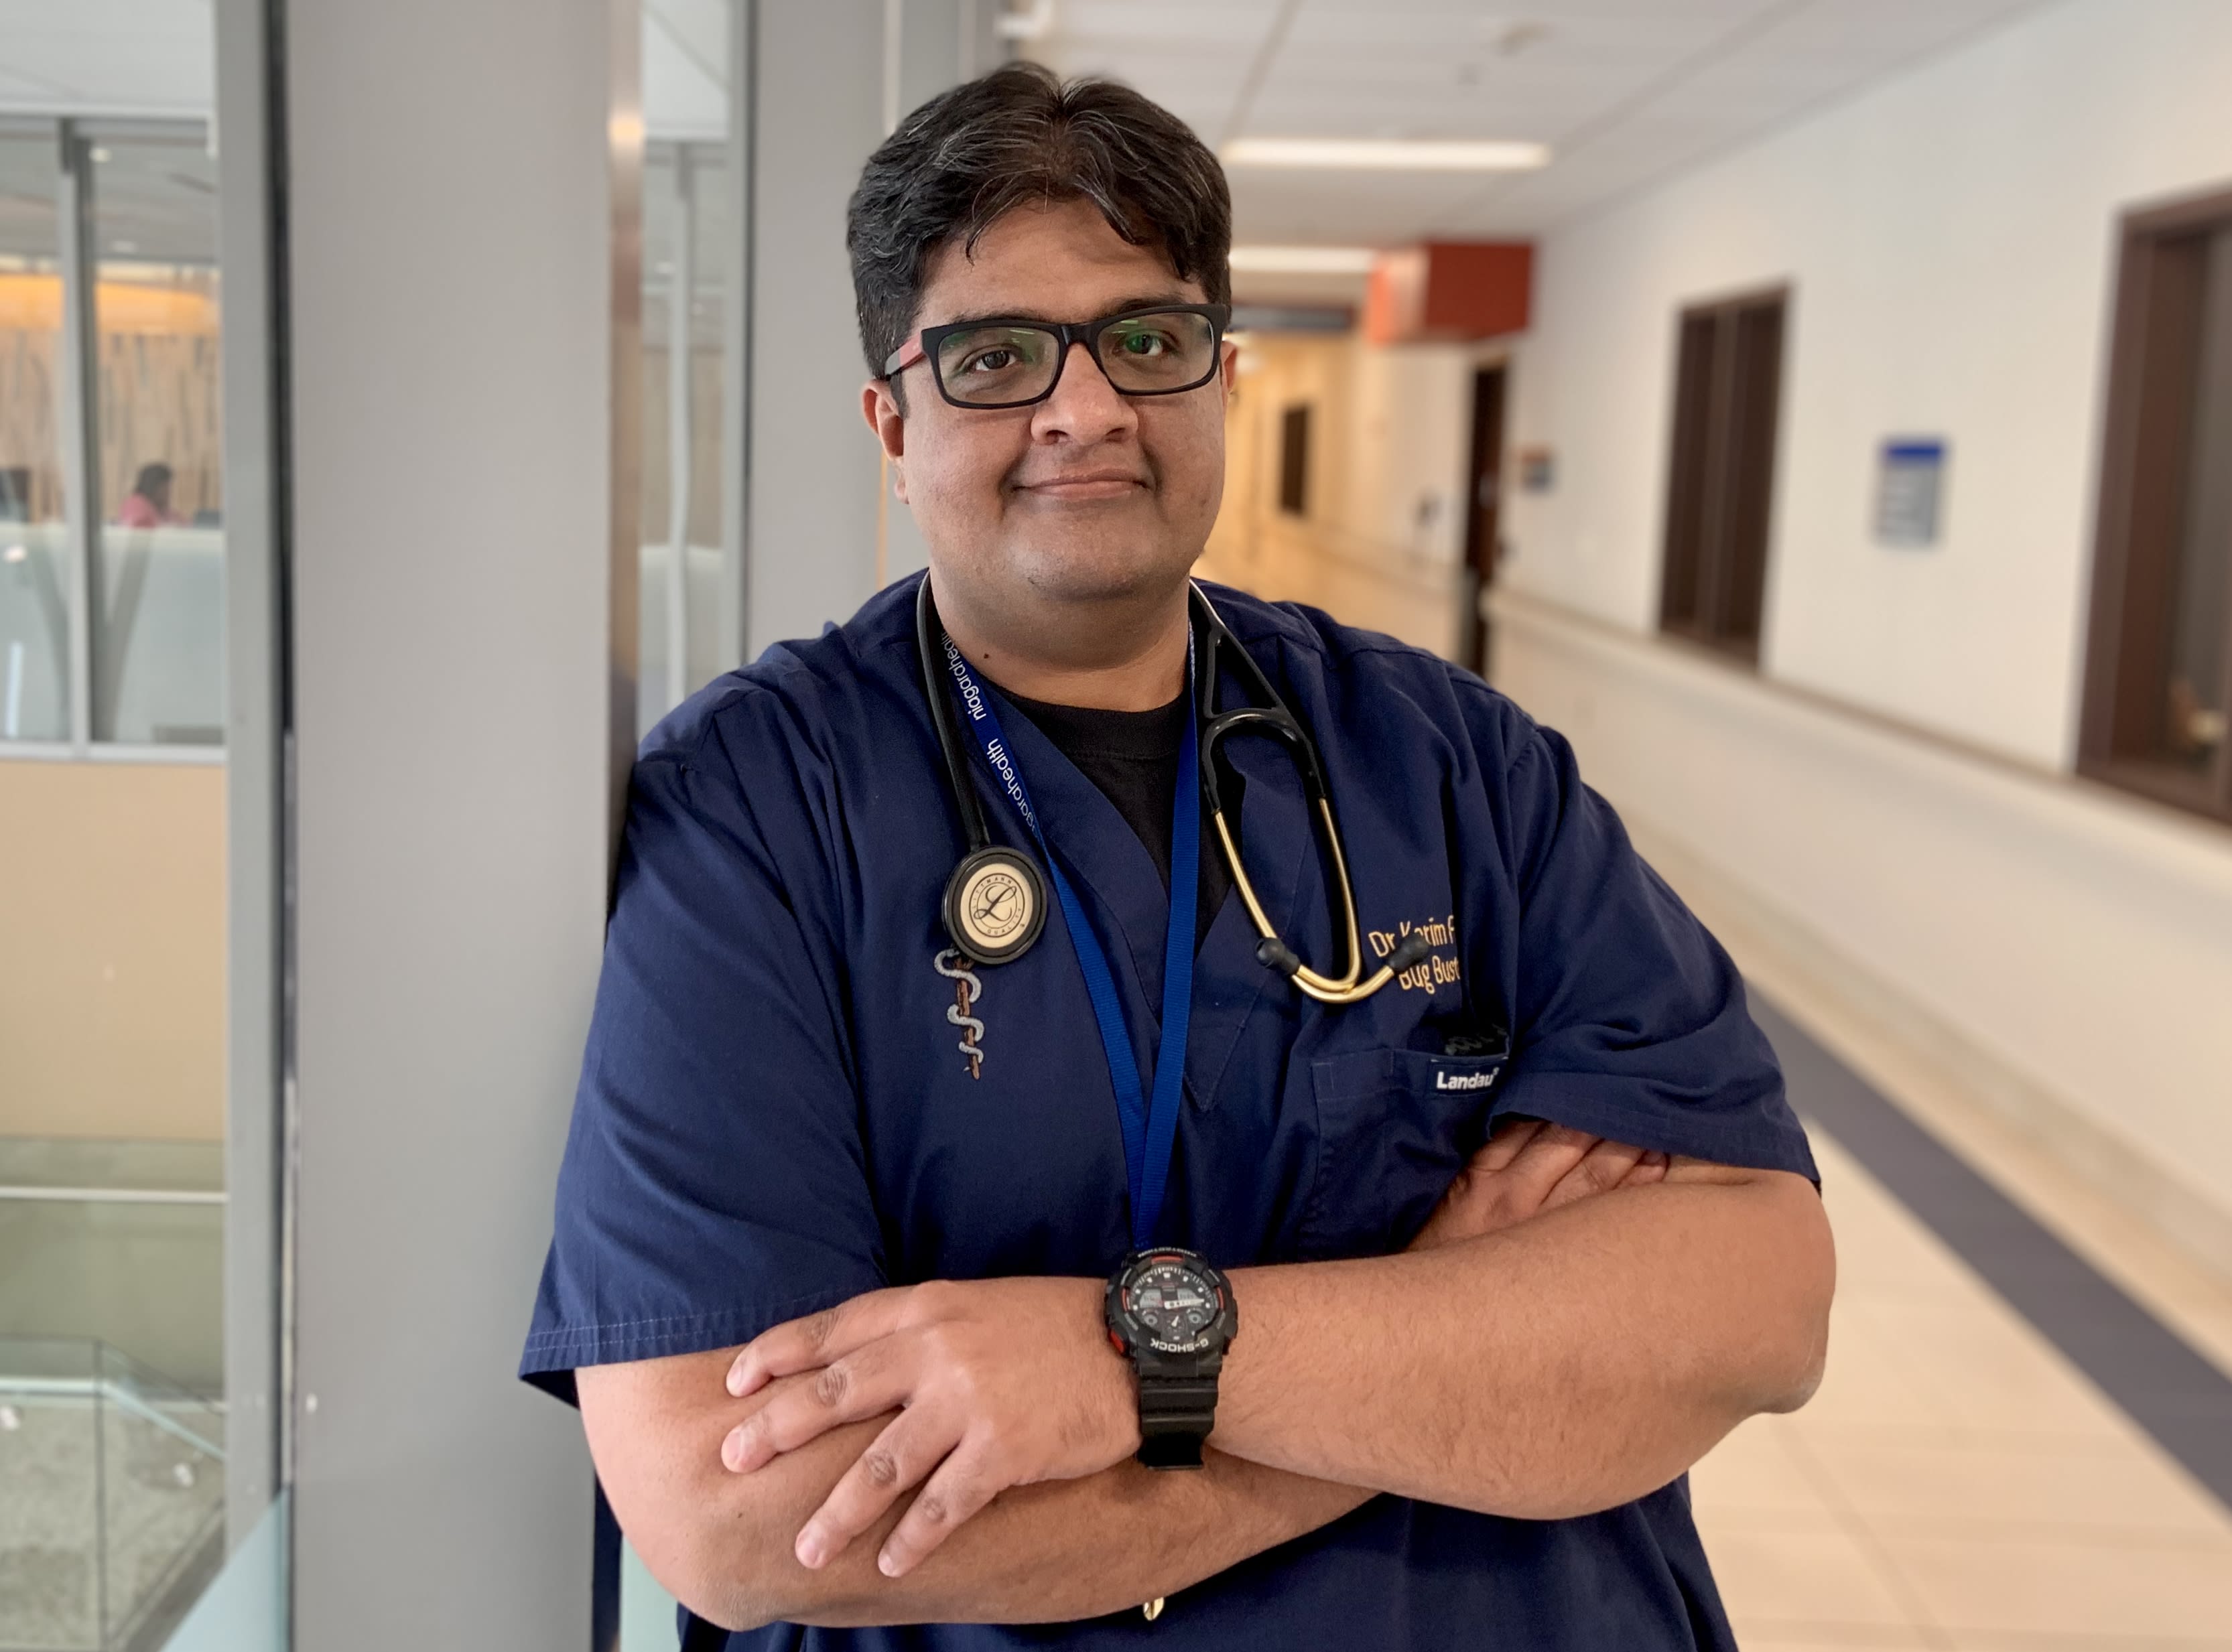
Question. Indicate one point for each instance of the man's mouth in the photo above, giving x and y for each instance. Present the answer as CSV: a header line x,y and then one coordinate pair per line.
x,y
1087,485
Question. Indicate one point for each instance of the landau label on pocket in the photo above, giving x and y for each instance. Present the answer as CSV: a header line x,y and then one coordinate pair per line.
x,y
1444,1079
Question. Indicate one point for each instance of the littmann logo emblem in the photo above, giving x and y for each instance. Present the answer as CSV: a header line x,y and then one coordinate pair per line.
x,y
1444,1079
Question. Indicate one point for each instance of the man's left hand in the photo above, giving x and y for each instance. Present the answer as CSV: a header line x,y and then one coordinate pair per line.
x,y
1000,1383
997,1382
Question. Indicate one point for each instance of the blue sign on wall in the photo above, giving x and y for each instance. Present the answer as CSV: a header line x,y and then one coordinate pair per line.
x,y
1910,491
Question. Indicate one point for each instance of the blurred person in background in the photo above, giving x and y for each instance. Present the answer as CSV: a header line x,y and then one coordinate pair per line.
x,y
148,504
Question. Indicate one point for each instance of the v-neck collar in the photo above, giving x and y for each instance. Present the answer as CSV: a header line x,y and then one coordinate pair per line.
x,y
1128,903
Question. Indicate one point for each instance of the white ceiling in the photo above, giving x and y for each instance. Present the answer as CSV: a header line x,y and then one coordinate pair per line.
x,y
1622,91
135,57
157,58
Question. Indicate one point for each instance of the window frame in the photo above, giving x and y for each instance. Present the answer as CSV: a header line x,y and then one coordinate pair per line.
x,y
2142,481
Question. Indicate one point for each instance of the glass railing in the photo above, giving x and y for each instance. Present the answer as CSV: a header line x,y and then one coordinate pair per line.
x,y
245,1608
112,1498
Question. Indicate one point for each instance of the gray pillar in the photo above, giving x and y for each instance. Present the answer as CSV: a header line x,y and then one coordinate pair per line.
x,y
464,252
820,97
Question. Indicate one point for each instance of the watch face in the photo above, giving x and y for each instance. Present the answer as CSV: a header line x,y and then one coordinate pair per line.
x,y
1175,1304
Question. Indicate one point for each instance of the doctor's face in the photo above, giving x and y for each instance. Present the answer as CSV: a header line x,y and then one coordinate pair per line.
x,y
1087,495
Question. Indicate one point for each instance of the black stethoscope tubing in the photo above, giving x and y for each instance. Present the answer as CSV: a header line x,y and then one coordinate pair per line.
x,y
984,859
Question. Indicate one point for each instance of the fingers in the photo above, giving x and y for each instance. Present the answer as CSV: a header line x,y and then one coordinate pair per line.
x,y
802,1345
865,1383
899,1459
1504,1143
1605,1166
1547,1158
962,1487
1526,1167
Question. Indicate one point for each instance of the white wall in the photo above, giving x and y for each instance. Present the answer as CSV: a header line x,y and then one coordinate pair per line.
x,y
1407,455
1948,239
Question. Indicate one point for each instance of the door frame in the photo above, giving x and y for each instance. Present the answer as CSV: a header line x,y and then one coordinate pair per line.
x,y
1491,401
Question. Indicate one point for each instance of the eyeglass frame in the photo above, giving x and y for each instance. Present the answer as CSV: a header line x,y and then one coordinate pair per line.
x,y
926,339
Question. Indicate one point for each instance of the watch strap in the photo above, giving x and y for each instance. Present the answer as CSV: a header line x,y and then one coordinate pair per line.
x,y
1175,1414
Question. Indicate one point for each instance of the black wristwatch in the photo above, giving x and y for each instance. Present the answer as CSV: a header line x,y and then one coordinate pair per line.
x,y
1171,1314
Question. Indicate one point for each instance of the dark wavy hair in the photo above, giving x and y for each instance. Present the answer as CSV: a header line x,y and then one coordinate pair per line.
x,y
1022,136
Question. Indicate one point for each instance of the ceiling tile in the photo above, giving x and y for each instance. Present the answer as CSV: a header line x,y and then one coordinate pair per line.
x,y
1624,91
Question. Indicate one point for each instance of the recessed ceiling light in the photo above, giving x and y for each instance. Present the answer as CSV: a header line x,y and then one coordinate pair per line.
x,y
1387,154
1304,260
100,156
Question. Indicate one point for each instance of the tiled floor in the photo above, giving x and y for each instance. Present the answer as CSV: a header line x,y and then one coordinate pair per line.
x,y
1956,1484
1376,587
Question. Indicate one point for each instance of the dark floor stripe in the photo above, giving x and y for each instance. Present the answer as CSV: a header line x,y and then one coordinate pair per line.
x,y
2170,1391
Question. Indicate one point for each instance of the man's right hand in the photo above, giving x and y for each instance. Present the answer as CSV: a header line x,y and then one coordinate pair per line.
x,y
1528,1167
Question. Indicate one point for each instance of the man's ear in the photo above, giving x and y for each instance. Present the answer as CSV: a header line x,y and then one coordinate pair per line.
x,y
881,409
879,406
1228,369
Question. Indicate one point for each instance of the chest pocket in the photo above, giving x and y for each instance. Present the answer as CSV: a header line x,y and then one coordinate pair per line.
x,y
1394,1127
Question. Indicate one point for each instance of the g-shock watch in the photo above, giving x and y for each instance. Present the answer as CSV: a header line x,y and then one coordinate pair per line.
x,y
1171,1314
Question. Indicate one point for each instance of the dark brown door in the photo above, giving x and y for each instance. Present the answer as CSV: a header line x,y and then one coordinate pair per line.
x,y
1728,385
2159,676
1484,512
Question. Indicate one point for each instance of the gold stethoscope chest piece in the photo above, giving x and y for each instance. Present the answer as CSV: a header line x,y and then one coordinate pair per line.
x,y
995,905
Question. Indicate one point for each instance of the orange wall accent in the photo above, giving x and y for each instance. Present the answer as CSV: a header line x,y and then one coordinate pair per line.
x,y
1448,292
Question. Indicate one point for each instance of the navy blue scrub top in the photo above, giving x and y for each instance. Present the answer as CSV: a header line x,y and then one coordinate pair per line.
x,y
773,1117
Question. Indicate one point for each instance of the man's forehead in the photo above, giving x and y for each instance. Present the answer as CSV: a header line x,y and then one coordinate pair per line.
x,y
1062,262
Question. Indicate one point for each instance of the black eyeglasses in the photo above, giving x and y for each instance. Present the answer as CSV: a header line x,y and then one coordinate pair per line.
x,y
1154,350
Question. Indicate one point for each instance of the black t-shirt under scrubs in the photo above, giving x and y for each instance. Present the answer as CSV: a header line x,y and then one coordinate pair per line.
x,y
776,1114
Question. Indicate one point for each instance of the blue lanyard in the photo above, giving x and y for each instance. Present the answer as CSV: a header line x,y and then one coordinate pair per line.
x,y
1150,1129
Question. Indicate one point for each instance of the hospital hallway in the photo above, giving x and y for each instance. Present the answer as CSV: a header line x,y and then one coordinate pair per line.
x,y
2023,1440
1856,498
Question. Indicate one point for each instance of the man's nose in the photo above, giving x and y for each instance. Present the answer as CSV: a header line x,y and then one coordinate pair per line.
x,y
1085,407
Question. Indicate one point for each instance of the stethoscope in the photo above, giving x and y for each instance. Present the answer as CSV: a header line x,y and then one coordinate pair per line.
x,y
995,901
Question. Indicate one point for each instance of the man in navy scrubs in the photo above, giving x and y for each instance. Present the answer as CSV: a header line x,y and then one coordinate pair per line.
x,y
1457,1281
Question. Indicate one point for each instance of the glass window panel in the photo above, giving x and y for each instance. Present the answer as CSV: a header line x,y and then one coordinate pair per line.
x,y
685,217
34,545
660,221
708,342
115,1226
158,621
